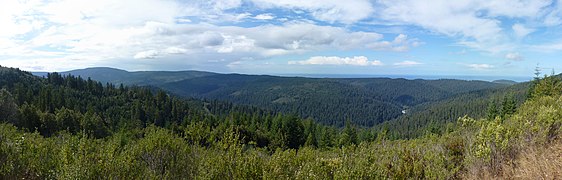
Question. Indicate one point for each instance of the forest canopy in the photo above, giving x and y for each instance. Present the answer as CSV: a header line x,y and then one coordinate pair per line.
x,y
66,127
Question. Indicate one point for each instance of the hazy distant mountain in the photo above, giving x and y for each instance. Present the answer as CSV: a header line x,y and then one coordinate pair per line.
x,y
141,78
367,101
504,81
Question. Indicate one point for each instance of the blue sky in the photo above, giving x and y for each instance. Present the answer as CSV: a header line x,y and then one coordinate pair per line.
x,y
410,37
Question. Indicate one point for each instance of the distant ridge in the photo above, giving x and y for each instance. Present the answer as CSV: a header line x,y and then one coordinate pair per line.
x,y
367,101
141,78
504,81
413,77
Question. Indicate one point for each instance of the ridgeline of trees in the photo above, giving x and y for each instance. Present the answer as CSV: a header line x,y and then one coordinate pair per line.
x,y
364,101
367,102
77,106
65,127
440,116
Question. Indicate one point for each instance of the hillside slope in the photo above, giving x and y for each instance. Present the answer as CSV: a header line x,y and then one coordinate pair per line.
x,y
366,102
434,116
70,128
140,78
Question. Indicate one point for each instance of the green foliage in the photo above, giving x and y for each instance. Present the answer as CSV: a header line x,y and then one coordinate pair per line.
x,y
547,86
493,138
535,124
493,111
28,117
508,106
49,124
540,120
8,107
349,135
68,119
505,109
433,117
368,101
69,128
26,156
162,155
292,129
93,125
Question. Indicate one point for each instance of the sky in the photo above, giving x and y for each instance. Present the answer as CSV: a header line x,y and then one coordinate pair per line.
x,y
394,37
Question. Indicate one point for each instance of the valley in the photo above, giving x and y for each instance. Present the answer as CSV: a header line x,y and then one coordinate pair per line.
x,y
365,101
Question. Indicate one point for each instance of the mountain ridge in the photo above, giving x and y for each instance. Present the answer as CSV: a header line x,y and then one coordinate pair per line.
x,y
367,101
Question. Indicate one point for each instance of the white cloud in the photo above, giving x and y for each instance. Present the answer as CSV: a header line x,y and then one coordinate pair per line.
x,y
448,17
48,33
480,66
399,44
111,13
407,63
308,36
210,38
474,23
242,16
183,20
554,17
151,54
521,31
16,18
515,56
267,16
550,47
334,60
224,4
349,11
89,32
175,50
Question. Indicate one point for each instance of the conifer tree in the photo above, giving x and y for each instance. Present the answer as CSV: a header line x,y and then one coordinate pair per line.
x,y
492,110
8,107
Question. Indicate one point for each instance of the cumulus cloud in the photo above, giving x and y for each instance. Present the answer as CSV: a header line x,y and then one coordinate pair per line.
x,y
50,33
97,42
400,43
151,54
521,31
210,38
334,60
175,50
407,63
476,24
515,56
326,10
480,66
267,16
554,17
105,31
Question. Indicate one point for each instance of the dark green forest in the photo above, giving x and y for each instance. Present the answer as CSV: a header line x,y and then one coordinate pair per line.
x,y
438,116
364,101
74,105
67,127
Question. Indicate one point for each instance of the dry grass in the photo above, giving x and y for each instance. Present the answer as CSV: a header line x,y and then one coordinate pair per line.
x,y
538,163
531,163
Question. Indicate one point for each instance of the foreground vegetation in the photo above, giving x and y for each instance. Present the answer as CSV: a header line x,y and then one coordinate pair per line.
x,y
114,136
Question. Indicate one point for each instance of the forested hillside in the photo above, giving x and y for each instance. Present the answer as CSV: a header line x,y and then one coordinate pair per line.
x,y
140,78
65,127
437,116
74,105
365,101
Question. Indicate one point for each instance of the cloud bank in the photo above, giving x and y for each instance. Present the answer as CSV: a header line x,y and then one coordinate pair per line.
x,y
334,60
